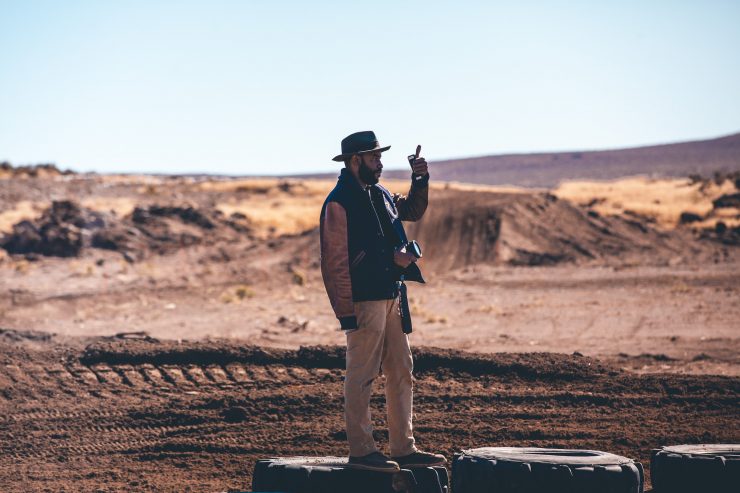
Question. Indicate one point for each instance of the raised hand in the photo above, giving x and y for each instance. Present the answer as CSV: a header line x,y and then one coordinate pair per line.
x,y
419,166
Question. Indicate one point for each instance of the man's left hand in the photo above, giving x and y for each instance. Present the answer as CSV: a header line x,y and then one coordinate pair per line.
x,y
420,167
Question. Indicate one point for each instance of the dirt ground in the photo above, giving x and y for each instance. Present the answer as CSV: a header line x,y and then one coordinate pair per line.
x,y
669,318
112,414
589,331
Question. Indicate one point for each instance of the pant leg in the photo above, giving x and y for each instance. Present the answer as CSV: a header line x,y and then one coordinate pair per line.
x,y
398,367
364,354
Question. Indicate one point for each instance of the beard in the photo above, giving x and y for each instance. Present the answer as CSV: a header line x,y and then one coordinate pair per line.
x,y
368,175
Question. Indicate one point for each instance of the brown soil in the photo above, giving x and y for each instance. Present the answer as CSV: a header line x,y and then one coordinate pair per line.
x,y
654,312
135,414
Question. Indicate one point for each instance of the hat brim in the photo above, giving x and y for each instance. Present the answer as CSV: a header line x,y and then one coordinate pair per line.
x,y
342,157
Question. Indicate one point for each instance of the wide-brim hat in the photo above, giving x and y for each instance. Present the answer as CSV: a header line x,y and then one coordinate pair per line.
x,y
359,143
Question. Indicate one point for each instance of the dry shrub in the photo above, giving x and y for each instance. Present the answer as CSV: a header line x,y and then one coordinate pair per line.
x,y
119,206
244,292
22,266
299,277
238,293
680,287
23,210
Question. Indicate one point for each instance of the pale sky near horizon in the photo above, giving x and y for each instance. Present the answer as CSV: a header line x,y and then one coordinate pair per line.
x,y
271,87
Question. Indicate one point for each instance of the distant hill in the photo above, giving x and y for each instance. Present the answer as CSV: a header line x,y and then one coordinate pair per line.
x,y
703,157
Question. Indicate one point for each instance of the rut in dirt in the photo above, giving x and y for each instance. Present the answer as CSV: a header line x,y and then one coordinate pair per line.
x,y
199,415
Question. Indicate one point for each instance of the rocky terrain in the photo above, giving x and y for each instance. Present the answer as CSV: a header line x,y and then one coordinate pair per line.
x,y
163,333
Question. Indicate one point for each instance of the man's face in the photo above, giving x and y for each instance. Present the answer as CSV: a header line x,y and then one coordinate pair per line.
x,y
370,167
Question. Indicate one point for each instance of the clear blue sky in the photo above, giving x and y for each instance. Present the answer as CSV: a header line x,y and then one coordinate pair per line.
x,y
267,87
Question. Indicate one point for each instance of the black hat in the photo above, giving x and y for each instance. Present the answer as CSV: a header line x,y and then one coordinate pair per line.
x,y
359,143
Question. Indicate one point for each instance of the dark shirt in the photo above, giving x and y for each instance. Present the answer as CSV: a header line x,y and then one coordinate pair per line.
x,y
379,208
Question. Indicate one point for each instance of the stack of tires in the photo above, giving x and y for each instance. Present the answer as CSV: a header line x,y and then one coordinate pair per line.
x,y
535,470
695,468
333,475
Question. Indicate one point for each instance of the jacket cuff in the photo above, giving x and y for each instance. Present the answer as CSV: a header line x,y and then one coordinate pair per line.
x,y
421,182
348,323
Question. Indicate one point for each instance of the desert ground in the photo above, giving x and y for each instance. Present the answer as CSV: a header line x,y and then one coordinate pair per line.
x,y
164,332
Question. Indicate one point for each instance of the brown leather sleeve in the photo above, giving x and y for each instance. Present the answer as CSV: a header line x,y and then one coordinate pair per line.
x,y
413,206
335,259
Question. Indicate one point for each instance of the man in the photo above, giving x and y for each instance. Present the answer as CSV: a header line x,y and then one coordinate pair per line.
x,y
362,260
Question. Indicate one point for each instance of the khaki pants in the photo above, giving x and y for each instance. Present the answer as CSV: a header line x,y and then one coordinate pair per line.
x,y
378,346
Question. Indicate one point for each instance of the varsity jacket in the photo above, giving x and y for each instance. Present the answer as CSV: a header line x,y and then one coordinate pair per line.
x,y
358,238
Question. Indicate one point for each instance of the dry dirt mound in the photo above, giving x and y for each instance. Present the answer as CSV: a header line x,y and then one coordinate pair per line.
x,y
60,231
146,350
131,412
461,229
65,228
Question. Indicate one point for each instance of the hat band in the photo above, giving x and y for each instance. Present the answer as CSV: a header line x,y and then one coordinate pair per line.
x,y
361,148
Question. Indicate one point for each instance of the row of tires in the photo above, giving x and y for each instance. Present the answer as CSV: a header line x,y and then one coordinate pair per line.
x,y
677,469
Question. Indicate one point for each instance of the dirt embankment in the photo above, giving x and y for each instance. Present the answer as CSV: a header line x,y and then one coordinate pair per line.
x,y
133,413
540,229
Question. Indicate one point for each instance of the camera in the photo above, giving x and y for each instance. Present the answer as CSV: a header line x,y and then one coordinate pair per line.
x,y
413,248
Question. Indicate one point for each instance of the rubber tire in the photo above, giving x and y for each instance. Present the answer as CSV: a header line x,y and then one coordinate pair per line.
x,y
692,468
333,475
537,470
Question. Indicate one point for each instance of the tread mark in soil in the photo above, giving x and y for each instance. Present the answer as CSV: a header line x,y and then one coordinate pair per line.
x,y
238,373
106,374
195,374
299,374
130,376
177,376
217,374
83,374
154,376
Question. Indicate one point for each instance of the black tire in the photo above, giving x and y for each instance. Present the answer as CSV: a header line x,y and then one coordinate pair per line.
x,y
692,468
537,470
333,475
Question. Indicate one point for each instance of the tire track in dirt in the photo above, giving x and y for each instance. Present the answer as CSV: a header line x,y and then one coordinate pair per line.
x,y
202,414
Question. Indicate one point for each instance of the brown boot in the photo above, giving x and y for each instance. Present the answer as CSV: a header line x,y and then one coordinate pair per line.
x,y
421,459
374,462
